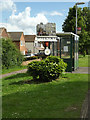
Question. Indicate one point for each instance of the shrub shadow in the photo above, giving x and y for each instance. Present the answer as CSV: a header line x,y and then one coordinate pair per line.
x,y
18,75
32,81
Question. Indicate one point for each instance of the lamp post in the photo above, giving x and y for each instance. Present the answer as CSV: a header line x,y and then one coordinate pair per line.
x,y
79,3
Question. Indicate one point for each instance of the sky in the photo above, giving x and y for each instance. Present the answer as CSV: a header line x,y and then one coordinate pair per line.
x,y
24,16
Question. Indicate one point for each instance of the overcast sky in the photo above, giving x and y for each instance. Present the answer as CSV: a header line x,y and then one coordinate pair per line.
x,y
24,16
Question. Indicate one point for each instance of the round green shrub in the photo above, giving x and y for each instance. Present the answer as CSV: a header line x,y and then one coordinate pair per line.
x,y
11,56
48,69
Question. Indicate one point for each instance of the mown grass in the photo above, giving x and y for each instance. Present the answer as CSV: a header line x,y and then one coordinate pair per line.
x,y
62,98
16,68
84,61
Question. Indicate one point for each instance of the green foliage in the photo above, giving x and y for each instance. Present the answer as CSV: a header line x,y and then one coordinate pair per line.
x,y
70,22
11,56
30,58
83,21
84,43
48,69
53,59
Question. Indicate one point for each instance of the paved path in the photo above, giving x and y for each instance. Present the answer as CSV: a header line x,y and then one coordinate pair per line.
x,y
82,70
12,73
85,105
88,113
85,111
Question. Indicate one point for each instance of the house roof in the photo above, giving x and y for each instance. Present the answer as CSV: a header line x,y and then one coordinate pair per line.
x,y
1,30
15,36
30,38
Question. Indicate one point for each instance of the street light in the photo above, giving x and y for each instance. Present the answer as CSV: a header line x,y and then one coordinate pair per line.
x,y
78,3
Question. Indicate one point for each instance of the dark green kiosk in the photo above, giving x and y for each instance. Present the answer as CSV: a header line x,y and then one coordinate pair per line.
x,y
67,49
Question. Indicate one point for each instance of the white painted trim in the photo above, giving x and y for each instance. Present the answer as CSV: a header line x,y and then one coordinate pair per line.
x,y
47,40
46,36
68,33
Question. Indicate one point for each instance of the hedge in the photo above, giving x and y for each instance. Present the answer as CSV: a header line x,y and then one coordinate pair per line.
x,y
46,70
11,56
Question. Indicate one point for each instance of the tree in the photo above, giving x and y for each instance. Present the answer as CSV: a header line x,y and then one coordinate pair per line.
x,y
11,56
84,42
85,34
83,18
69,24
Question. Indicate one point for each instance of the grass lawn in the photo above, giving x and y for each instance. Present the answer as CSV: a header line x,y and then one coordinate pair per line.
x,y
4,71
62,98
83,61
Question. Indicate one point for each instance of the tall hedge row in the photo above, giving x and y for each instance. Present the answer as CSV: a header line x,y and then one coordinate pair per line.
x,y
11,56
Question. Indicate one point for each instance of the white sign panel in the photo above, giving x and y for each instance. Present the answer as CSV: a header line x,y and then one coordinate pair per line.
x,y
65,48
68,42
47,51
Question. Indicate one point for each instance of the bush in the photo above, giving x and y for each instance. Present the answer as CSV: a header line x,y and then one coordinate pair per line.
x,y
53,59
58,61
30,58
46,70
11,56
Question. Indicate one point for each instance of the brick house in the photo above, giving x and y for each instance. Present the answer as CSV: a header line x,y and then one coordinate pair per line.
x,y
30,45
19,40
3,33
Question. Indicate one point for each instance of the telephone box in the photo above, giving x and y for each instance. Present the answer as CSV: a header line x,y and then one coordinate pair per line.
x,y
67,49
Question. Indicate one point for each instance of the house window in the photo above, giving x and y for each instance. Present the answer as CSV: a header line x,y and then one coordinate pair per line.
x,y
22,43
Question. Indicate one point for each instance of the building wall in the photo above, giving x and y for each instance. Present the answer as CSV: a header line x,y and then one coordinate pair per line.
x,y
22,45
50,28
46,29
30,46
